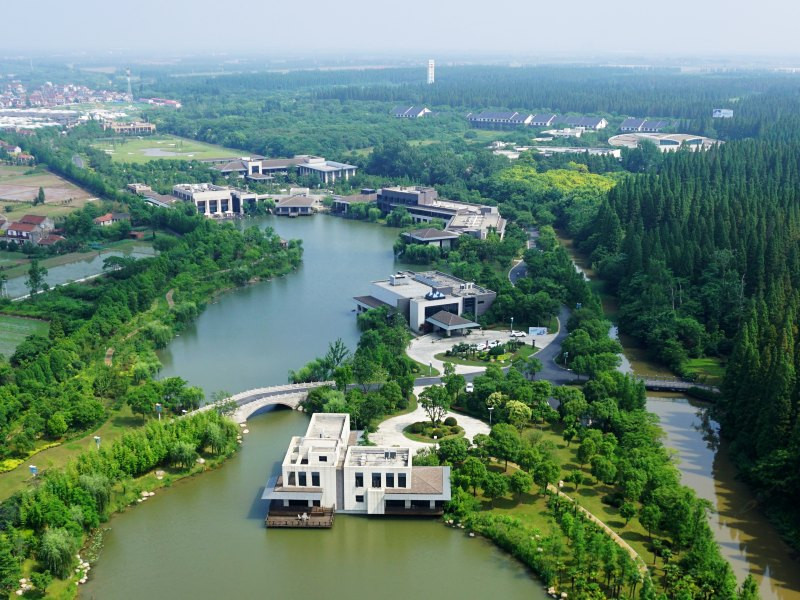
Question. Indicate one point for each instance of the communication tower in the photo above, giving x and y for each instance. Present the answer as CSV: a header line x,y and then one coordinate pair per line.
x,y
431,71
130,92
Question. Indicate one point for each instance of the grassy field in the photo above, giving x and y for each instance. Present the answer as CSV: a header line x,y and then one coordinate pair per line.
x,y
709,370
14,330
144,149
58,456
531,507
19,187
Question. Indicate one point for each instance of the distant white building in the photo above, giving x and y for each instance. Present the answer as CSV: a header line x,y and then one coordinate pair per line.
x,y
410,112
431,72
324,472
214,200
722,113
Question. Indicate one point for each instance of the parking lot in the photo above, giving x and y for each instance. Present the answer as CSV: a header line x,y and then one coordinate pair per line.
x,y
423,349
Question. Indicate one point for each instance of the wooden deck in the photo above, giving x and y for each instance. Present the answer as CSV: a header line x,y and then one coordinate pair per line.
x,y
292,517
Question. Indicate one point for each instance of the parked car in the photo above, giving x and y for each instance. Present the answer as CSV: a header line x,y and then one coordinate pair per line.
x,y
469,388
518,334
493,343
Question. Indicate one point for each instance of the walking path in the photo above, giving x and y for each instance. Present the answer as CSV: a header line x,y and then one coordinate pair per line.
x,y
390,432
610,532
109,359
170,301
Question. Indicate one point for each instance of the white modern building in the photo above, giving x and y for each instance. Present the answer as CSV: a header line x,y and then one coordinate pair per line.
x,y
214,200
429,300
325,472
260,169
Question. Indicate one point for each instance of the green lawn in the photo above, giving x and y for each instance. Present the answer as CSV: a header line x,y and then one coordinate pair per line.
x,y
58,456
144,149
503,359
709,370
14,330
531,507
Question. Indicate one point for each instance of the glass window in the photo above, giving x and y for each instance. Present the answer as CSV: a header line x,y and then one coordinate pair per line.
x,y
376,480
359,480
292,480
323,459
401,480
301,479
359,498
315,479
390,480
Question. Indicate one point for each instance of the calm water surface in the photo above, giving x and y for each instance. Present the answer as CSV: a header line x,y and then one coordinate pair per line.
x,y
253,335
747,540
91,265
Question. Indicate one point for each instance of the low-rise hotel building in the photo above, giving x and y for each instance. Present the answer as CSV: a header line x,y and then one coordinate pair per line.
x,y
424,205
424,298
214,200
259,169
324,472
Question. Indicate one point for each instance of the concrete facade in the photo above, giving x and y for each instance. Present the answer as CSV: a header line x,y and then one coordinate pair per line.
x,y
418,296
324,469
214,200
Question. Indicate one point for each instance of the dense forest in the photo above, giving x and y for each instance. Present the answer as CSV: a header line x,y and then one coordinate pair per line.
x,y
704,256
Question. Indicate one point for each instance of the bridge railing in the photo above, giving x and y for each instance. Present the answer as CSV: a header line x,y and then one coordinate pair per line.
x,y
255,394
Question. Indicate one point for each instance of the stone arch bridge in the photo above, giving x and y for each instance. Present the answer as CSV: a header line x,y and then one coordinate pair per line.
x,y
252,401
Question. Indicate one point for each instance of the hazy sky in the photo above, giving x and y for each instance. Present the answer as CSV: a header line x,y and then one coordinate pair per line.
x,y
406,27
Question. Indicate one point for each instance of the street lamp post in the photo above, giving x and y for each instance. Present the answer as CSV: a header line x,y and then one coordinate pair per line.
x,y
491,408
97,441
566,356
512,324
158,409
430,368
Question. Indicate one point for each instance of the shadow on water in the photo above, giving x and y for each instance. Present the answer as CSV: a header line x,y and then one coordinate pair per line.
x,y
747,540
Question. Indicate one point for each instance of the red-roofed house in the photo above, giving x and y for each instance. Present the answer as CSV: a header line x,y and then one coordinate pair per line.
x,y
109,219
30,228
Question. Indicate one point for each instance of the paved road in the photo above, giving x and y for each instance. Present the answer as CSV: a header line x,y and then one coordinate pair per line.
x,y
390,432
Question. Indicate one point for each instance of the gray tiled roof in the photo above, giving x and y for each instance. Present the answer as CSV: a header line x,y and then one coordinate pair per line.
x,y
499,116
449,319
581,121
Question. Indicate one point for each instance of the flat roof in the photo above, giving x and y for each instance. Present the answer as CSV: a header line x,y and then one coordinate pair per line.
x,y
378,456
326,425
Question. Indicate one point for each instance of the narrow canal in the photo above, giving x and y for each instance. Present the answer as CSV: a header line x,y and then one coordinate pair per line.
x,y
205,538
746,538
90,265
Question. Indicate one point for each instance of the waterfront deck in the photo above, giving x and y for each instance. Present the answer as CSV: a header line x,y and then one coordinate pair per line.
x,y
292,517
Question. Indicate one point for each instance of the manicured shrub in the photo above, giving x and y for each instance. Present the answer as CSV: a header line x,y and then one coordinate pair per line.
x,y
450,421
416,428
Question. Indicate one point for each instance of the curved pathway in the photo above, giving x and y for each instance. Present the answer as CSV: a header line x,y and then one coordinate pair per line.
x,y
170,301
390,432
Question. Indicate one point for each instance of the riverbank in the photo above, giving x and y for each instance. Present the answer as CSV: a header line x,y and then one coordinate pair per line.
x,y
179,533
746,537
128,496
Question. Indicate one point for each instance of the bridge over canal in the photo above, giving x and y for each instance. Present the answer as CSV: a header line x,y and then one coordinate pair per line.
x,y
252,401
673,384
